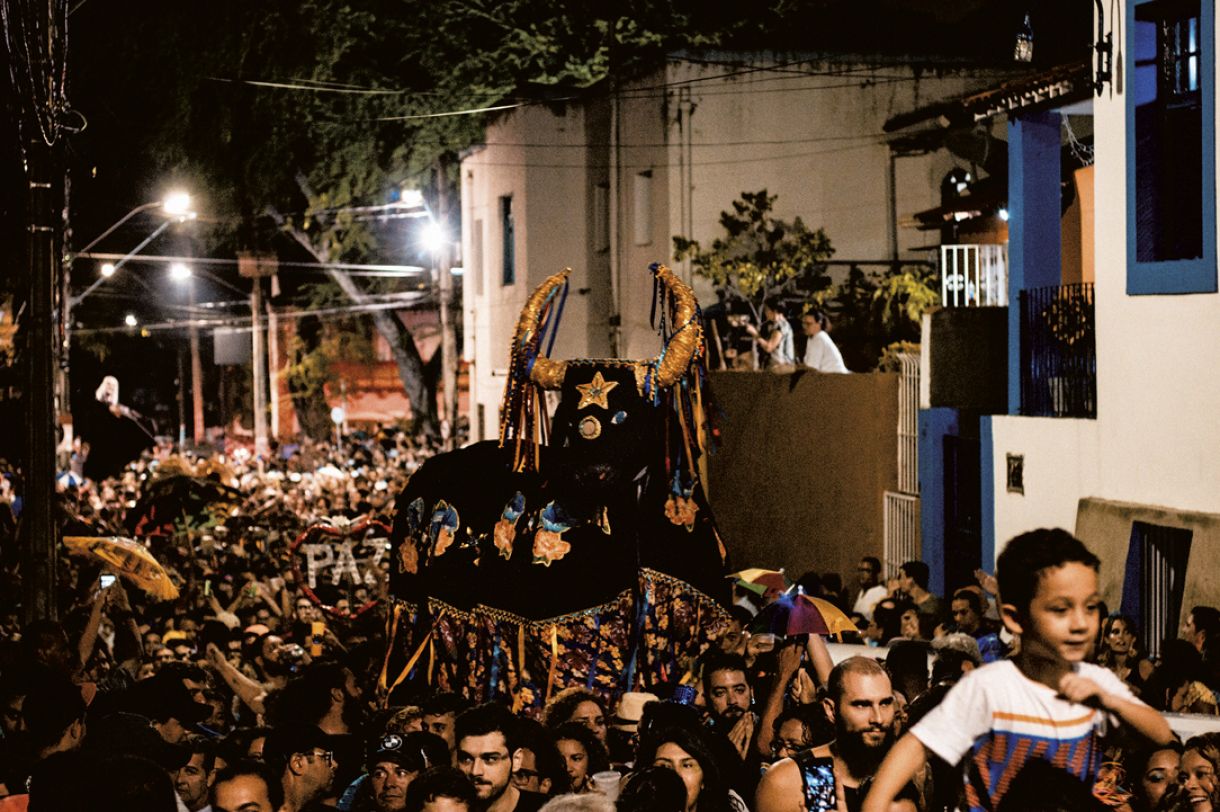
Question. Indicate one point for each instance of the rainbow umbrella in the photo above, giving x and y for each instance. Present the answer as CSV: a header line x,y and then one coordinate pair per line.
x,y
759,580
802,614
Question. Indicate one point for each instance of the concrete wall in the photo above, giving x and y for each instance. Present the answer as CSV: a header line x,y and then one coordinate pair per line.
x,y
805,458
1061,467
1105,526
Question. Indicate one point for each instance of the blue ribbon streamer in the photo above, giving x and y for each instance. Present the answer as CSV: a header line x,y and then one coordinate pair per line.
x,y
494,678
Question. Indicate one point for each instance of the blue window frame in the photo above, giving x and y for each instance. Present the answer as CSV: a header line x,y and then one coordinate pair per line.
x,y
1171,175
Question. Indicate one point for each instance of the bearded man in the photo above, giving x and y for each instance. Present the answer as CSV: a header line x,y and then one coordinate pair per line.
x,y
860,705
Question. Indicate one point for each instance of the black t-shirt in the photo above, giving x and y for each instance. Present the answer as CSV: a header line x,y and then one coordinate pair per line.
x,y
530,801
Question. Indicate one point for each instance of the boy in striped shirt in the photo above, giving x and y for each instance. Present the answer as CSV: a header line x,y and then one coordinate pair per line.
x,y
1046,703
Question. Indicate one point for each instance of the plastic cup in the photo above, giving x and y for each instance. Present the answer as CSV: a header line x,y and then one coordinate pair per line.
x,y
607,783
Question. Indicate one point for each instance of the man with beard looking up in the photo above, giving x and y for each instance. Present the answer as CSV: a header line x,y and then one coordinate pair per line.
x,y
860,705
488,752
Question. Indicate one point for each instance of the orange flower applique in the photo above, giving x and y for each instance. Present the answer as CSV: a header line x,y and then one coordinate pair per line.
x,y
503,535
548,547
681,510
408,557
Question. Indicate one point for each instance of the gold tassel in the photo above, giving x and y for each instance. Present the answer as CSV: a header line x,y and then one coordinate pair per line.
x,y
391,632
550,678
522,671
411,663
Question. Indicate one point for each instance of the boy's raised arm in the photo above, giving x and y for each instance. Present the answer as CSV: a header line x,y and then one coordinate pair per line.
x,y
905,759
1146,721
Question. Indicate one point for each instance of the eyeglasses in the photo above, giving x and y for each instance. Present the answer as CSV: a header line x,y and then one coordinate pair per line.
x,y
780,745
327,755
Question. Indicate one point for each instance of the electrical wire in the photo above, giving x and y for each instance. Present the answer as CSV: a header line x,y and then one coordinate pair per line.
x,y
245,321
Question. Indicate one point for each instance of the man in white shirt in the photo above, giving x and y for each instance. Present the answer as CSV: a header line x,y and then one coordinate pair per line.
x,y
868,571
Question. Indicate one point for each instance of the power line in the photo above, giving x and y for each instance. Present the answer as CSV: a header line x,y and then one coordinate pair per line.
x,y
246,321
355,269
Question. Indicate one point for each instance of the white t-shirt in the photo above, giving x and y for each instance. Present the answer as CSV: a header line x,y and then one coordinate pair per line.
x,y
1002,720
868,600
822,354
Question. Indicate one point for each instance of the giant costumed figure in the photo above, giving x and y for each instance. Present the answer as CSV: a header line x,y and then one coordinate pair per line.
x,y
578,550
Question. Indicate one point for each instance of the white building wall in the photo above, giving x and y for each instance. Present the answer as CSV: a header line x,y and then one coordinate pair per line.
x,y
813,139
1156,439
1158,360
1061,465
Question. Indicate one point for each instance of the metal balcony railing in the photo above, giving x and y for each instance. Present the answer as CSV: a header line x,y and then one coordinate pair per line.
x,y
974,275
1058,352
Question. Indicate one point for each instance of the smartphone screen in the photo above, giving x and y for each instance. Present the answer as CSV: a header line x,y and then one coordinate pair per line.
x,y
106,581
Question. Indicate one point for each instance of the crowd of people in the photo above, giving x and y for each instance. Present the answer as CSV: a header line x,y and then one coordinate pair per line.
x,y
257,691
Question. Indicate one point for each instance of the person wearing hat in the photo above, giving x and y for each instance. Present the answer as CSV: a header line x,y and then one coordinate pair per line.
x,y
394,763
304,756
625,726
166,701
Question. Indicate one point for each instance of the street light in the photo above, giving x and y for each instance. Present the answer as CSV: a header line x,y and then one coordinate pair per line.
x,y
433,237
176,205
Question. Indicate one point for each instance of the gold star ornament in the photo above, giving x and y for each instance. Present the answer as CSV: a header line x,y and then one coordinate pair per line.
x,y
596,392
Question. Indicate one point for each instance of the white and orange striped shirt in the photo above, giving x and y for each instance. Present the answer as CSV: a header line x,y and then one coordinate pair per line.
x,y
998,720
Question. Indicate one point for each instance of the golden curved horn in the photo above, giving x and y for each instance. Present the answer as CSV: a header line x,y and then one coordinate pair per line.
x,y
683,343
546,373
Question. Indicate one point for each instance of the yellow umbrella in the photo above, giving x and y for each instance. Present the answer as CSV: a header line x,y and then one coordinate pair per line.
x,y
130,559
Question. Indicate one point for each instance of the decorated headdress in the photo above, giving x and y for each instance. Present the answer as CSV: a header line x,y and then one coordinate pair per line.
x,y
673,379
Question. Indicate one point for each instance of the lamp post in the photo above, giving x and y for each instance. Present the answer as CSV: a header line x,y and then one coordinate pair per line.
x,y
177,208
181,273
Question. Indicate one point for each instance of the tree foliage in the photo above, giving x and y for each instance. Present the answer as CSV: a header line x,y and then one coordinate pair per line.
x,y
760,255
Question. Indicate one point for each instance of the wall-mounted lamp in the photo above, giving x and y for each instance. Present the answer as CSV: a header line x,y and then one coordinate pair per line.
x,y
1023,50
1104,71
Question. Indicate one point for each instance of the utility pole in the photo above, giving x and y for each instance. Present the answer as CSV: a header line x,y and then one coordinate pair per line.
x,y
254,267
181,402
198,431
39,529
449,360
273,366
260,372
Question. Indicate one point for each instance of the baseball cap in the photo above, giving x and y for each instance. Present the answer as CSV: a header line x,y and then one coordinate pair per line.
x,y
415,751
